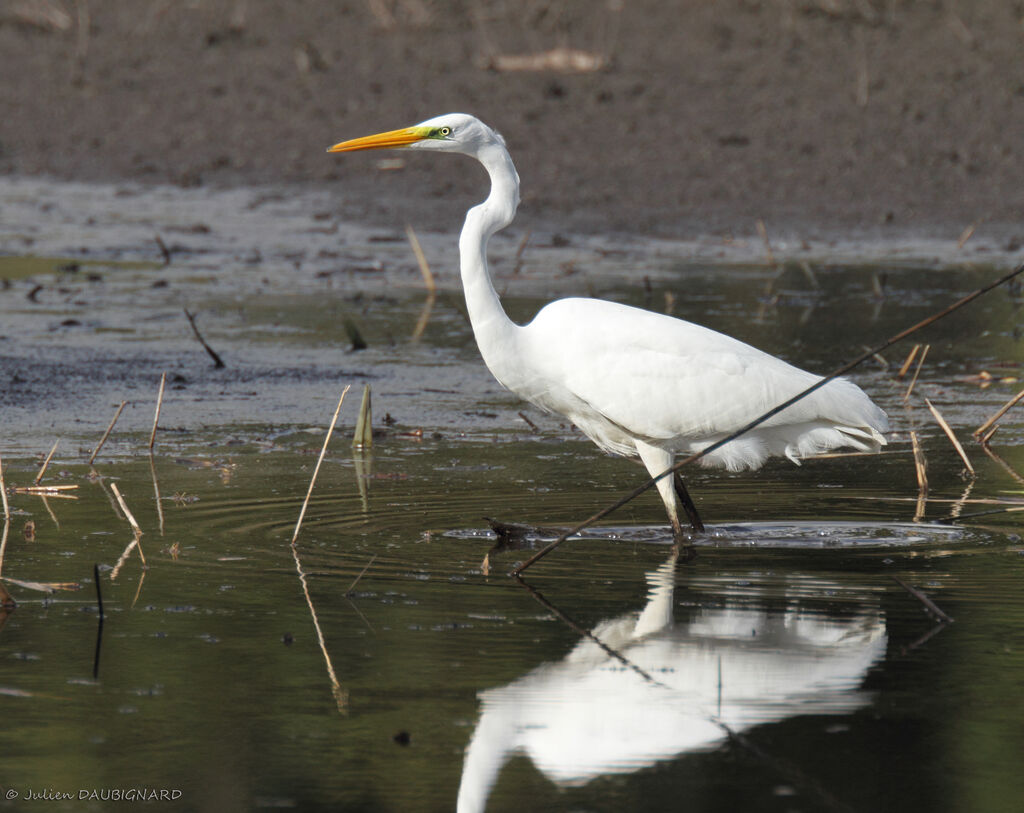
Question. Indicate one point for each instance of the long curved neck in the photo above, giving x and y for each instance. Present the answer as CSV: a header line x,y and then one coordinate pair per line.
x,y
494,331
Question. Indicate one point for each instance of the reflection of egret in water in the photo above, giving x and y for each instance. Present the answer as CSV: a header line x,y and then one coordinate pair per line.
x,y
724,671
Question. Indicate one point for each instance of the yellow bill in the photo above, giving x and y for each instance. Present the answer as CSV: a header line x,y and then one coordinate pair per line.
x,y
380,141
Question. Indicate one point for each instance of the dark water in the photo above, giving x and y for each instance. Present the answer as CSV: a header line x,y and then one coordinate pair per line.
x,y
379,666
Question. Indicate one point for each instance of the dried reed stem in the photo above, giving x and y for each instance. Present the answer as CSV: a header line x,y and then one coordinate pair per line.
x,y
763,231
106,434
421,258
352,586
52,491
1003,410
949,434
906,364
362,437
984,439
46,463
1006,466
156,494
3,492
323,451
156,416
124,507
917,372
920,463
965,235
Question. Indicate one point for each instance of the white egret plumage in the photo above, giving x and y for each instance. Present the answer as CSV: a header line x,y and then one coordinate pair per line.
x,y
638,383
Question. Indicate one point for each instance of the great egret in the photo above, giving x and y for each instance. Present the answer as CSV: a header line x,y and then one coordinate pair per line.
x,y
637,383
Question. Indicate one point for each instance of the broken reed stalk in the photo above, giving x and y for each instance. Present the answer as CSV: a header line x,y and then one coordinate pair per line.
x,y
3,492
124,507
917,372
636,492
46,463
930,605
949,434
156,494
906,364
106,434
920,463
156,416
218,362
362,438
966,235
763,231
421,258
316,469
1002,411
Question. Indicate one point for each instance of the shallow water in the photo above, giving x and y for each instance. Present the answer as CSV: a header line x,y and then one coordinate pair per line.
x,y
781,668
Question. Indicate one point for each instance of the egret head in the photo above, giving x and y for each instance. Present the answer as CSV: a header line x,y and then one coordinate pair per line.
x,y
452,132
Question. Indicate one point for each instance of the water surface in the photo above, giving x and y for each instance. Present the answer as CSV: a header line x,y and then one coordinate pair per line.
x,y
781,668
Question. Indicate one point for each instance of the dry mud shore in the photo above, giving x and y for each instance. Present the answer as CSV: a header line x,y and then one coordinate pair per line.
x,y
870,117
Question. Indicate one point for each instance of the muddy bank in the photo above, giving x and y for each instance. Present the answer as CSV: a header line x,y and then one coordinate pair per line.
x,y
866,116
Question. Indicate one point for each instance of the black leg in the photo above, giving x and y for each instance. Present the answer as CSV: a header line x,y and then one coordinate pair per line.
x,y
687,503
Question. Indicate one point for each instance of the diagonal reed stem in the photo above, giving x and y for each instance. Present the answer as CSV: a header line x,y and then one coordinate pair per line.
x,y
323,451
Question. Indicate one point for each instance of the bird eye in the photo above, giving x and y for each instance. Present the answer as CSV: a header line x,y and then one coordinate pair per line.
x,y
445,131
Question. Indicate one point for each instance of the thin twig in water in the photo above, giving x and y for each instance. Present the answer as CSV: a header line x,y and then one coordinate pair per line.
x,y
99,595
106,434
352,586
46,463
156,415
949,434
636,492
917,372
530,423
1002,411
930,605
323,451
218,362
